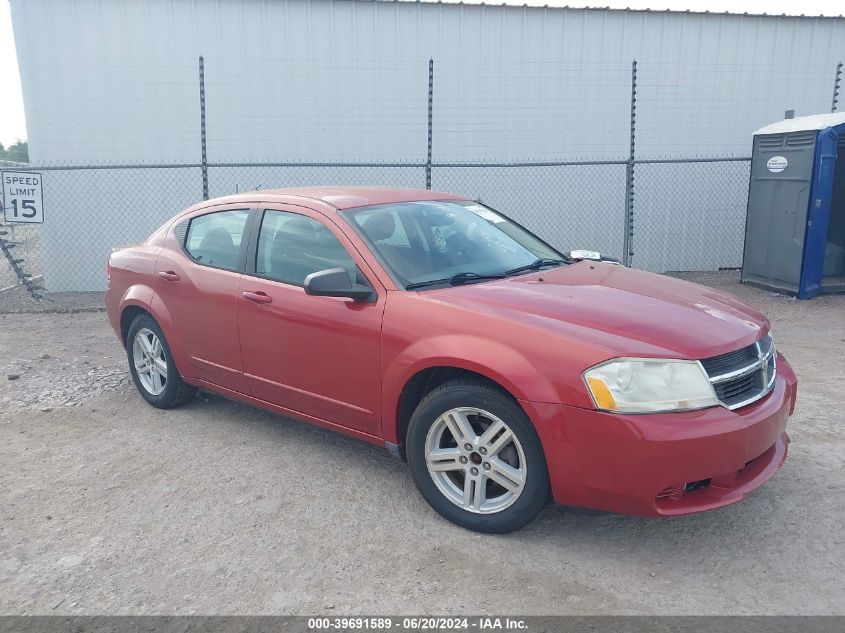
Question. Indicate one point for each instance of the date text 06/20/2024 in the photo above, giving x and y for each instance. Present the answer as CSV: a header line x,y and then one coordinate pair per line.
x,y
416,623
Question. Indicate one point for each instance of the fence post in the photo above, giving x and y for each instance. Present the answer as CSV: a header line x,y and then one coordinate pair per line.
x,y
836,81
430,121
202,131
627,243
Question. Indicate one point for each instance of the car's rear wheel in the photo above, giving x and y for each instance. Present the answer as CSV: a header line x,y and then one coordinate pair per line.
x,y
151,365
476,458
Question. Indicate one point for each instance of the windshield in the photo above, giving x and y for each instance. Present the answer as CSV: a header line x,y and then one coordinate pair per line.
x,y
421,242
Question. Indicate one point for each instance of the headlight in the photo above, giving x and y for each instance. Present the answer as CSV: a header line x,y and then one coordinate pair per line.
x,y
641,385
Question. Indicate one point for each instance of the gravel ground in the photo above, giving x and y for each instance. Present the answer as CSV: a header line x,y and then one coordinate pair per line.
x,y
18,301
110,506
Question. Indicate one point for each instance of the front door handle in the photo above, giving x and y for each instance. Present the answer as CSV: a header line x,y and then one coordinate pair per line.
x,y
257,297
168,275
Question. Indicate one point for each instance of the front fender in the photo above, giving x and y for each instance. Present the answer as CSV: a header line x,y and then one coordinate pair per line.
x,y
493,360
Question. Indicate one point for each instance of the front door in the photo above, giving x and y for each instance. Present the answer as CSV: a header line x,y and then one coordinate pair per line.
x,y
320,356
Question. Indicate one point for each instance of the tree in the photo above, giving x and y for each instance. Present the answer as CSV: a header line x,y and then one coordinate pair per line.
x,y
17,152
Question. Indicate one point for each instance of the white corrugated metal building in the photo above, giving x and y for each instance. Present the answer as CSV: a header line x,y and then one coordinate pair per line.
x,y
115,81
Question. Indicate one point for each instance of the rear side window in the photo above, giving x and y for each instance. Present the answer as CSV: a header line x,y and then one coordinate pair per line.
x,y
215,239
292,246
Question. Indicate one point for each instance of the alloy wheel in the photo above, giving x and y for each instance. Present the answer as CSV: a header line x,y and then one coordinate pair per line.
x,y
150,361
475,460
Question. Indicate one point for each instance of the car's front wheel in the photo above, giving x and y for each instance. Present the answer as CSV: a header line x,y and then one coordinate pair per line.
x,y
151,365
476,457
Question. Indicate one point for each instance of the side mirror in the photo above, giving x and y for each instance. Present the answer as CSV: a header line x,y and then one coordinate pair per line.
x,y
335,282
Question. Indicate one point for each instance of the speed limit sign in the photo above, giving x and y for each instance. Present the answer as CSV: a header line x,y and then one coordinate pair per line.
x,y
22,198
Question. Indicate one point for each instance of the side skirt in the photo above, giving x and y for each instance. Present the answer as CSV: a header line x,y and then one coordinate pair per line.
x,y
269,406
394,451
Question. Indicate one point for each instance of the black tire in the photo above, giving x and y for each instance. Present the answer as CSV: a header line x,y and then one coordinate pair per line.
x,y
476,393
176,391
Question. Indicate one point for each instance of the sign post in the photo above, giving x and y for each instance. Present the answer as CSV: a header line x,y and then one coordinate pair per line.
x,y
23,202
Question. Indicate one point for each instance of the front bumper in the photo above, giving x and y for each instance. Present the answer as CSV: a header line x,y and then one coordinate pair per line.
x,y
665,464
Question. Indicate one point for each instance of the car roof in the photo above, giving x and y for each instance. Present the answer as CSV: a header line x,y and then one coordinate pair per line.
x,y
340,197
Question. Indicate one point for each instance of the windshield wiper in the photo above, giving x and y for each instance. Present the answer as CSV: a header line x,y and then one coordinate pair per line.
x,y
536,265
455,280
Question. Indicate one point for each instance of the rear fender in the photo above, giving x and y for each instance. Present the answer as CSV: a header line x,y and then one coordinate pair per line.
x,y
177,349
144,297
138,295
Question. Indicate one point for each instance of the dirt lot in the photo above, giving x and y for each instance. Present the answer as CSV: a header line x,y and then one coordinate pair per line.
x,y
110,506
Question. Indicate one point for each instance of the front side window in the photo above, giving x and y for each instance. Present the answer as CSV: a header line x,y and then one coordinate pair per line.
x,y
292,246
431,240
214,239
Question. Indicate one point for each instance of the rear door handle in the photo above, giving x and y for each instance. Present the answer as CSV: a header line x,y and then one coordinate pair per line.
x,y
168,275
257,297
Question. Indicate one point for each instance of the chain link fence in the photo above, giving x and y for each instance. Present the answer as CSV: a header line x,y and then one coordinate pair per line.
x,y
689,215
20,257
630,184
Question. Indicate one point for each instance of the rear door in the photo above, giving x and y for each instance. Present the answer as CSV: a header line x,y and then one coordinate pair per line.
x,y
197,280
320,356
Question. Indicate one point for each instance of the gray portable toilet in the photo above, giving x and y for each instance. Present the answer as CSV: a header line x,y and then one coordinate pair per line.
x,y
795,227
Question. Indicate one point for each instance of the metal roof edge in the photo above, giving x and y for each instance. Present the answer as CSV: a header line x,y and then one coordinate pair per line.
x,y
607,9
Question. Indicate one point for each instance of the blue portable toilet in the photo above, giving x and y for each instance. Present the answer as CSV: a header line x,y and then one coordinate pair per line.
x,y
795,227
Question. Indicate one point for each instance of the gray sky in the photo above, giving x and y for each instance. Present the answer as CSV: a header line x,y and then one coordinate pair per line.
x,y
13,123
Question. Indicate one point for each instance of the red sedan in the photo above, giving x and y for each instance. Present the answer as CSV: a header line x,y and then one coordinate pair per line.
x,y
503,371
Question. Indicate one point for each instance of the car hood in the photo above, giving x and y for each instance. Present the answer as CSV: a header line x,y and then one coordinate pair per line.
x,y
626,312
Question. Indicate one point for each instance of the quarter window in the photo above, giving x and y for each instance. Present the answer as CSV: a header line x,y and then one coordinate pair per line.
x,y
214,239
292,246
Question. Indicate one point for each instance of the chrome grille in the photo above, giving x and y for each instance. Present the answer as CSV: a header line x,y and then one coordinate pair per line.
x,y
743,376
730,361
